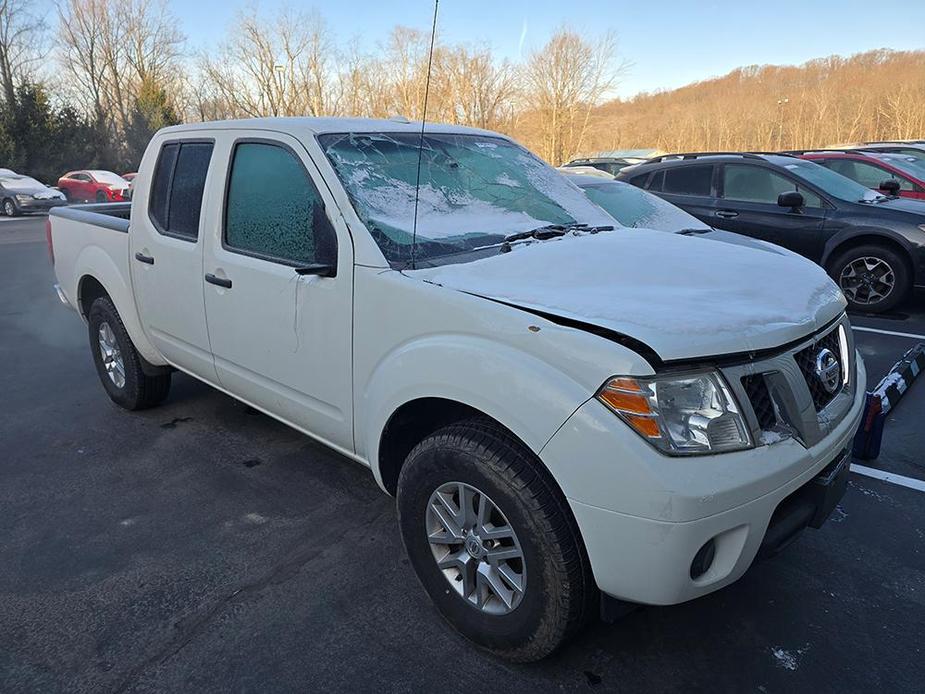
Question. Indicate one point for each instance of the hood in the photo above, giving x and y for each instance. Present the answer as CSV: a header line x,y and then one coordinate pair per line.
x,y
910,205
685,297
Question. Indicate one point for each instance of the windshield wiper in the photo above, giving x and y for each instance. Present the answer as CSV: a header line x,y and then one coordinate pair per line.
x,y
692,232
549,231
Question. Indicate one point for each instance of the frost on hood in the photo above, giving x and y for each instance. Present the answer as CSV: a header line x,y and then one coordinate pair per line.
x,y
474,190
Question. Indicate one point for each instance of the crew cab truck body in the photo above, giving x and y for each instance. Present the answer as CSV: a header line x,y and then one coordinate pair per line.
x,y
564,408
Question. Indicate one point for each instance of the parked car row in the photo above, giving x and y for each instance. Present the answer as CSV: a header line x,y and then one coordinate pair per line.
x,y
843,209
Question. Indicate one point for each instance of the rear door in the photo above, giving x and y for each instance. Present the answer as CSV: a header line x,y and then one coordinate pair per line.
x,y
748,206
166,252
282,340
873,174
689,186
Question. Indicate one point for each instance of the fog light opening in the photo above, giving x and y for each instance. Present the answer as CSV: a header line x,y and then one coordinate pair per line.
x,y
703,559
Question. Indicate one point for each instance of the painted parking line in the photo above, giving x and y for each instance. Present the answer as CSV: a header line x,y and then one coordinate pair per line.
x,y
912,336
893,478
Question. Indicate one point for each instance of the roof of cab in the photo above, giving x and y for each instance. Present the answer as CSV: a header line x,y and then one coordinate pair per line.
x,y
320,126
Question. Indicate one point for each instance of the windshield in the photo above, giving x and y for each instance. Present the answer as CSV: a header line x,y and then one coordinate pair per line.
x,y
109,178
903,162
834,184
475,190
634,207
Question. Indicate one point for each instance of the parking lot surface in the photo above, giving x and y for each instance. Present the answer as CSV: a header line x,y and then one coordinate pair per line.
x,y
200,546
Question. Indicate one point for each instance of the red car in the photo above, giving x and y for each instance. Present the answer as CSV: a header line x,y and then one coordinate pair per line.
x,y
93,186
876,169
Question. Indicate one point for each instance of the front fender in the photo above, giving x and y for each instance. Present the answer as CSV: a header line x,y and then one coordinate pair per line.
x,y
523,393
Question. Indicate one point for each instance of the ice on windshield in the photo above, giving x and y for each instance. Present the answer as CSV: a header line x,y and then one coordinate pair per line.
x,y
474,190
633,207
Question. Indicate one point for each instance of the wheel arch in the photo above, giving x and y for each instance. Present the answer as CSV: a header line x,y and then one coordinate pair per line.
x,y
840,244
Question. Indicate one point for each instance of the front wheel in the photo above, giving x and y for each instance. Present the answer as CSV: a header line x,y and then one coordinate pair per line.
x,y
100,196
9,208
118,364
873,278
492,541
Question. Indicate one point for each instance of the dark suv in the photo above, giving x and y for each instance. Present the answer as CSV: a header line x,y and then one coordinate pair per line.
x,y
871,244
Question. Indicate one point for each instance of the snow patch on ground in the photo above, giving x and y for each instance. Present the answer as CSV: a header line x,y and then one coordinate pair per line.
x,y
789,660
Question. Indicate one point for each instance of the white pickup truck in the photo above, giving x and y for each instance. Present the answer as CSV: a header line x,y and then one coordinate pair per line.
x,y
568,411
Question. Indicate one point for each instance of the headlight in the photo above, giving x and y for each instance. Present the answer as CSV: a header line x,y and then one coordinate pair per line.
x,y
922,227
23,198
679,414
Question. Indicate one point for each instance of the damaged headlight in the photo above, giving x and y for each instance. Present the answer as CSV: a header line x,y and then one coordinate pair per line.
x,y
679,414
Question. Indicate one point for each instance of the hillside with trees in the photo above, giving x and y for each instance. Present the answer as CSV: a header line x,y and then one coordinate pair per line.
x,y
870,96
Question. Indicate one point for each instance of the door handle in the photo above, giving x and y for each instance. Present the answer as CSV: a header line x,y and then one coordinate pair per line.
x,y
727,214
218,281
146,259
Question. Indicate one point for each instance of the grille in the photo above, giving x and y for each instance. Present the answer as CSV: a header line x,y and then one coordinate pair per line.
x,y
758,395
806,360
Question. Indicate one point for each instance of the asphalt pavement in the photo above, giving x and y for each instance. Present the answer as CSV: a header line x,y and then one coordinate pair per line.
x,y
200,546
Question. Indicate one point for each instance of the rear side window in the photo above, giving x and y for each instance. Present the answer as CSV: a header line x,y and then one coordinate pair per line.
x,y
686,180
273,209
176,190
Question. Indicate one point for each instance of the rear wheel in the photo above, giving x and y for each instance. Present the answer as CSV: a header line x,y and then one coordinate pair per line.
x,y
873,278
9,208
492,541
118,364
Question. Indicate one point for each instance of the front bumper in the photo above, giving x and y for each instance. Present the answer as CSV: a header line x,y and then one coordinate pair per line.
x,y
38,204
644,516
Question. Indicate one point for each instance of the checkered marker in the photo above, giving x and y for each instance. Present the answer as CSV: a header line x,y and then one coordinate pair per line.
x,y
884,398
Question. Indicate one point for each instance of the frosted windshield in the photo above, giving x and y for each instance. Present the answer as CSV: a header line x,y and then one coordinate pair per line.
x,y
475,190
634,207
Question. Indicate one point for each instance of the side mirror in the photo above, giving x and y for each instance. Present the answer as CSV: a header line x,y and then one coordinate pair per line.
x,y
890,186
791,199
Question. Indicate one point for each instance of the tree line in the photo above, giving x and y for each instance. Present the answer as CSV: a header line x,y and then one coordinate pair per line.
x,y
88,86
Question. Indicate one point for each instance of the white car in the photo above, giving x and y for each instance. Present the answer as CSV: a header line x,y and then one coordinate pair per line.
x,y
565,409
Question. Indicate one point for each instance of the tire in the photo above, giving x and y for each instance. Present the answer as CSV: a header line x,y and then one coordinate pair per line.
x,y
9,208
558,590
100,196
66,193
137,391
879,261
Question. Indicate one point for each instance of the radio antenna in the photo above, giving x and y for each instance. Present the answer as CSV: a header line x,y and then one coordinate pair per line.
x,y
417,182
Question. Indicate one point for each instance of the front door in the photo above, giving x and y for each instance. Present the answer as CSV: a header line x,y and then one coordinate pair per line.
x,y
166,254
280,327
748,206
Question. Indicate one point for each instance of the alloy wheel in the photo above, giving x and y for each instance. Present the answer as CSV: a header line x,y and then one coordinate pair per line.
x,y
112,355
867,280
476,548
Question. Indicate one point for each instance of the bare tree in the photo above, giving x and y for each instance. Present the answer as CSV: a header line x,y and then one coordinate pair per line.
x,y
564,80
281,68
476,90
21,44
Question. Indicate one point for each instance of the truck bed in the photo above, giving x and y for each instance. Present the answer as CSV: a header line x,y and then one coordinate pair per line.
x,y
93,241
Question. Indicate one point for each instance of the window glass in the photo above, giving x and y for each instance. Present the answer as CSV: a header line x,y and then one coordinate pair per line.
x,y
633,207
189,179
658,180
689,180
160,184
869,175
474,190
746,183
640,180
273,209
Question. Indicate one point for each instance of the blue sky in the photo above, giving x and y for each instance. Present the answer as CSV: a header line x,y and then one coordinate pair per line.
x,y
669,43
